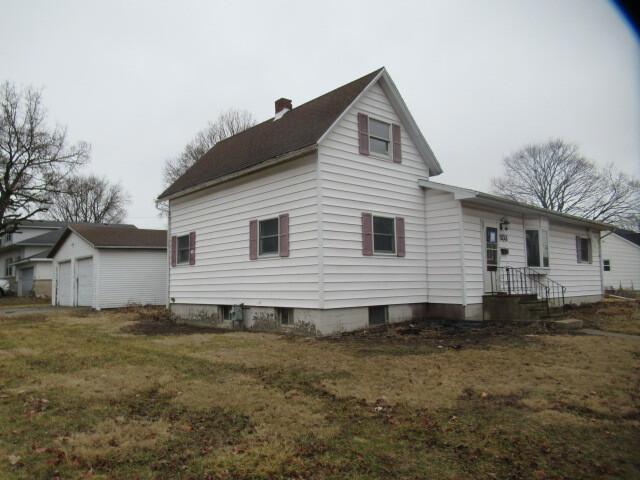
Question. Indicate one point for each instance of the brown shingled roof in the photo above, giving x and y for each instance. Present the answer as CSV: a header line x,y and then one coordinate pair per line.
x,y
115,236
301,127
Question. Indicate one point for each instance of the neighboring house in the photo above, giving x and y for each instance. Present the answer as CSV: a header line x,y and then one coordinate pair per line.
x,y
23,256
108,266
621,259
324,219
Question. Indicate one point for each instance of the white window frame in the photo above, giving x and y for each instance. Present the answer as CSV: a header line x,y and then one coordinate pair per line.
x,y
373,236
284,313
589,250
543,234
225,311
8,268
277,235
389,140
606,265
186,262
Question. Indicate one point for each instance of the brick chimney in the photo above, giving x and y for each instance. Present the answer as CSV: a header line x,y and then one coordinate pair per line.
x,y
283,105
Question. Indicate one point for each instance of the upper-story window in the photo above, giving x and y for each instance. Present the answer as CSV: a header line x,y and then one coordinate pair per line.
x,y
379,137
269,234
8,237
183,250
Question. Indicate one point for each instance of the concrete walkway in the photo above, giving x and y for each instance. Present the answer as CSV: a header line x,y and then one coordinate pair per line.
x,y
602,333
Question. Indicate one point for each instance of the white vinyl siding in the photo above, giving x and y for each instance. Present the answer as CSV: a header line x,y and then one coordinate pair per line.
x,y
581,279
220,216
352,183
624,257
120,277
474,224
444,265
132,276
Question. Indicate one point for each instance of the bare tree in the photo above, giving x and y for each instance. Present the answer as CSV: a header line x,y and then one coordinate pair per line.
x,y
34,158
556,176
227,124
89,199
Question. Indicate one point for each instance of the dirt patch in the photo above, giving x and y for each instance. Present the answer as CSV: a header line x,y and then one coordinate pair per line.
x,y
154,328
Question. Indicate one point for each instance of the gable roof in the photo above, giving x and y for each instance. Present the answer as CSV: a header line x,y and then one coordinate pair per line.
x,y
295,133
633,237
114,236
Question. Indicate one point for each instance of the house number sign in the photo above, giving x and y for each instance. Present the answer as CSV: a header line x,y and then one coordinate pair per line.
x,y
504,237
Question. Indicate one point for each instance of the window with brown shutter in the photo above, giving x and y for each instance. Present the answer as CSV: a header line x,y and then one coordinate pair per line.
x,y
397,145
400,237
367,234
253,239
174,250
363,134
284,235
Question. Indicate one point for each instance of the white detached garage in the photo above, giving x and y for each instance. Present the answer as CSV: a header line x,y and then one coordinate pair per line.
x,y
109,266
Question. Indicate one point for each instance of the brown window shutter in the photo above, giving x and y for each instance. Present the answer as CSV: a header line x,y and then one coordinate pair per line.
x,y
192,248
253,239
284,235
363,134
400,247
174,250
397,145
367,234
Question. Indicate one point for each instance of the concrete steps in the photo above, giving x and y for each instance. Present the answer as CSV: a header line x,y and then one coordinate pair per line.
x,y
517,308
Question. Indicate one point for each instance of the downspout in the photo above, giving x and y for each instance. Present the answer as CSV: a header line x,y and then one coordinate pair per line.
x,y
426,245
601,264
462,266
168,254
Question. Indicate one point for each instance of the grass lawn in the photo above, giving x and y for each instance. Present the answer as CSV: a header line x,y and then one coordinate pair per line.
x,y
108,395
612,315
15,301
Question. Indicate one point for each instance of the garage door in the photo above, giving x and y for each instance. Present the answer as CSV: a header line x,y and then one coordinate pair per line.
x,y
85,282
26,281
64,284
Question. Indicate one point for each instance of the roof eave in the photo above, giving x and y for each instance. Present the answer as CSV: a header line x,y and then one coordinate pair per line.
x,y
474,197
129,247
245,171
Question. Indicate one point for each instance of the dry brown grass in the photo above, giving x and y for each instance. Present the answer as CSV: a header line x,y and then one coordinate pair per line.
x,y
79,396
115,438
613,315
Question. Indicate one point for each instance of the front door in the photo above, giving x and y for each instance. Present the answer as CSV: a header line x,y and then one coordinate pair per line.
x,y
490,268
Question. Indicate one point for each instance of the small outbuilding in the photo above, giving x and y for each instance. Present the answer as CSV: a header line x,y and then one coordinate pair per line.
x,y
109,266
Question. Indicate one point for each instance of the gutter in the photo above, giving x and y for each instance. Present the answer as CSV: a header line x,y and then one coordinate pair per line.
x,y
467,194
260,166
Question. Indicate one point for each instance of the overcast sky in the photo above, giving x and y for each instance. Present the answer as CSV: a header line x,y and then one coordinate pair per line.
x,y
137,79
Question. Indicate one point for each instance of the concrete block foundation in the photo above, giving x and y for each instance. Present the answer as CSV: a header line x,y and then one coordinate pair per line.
x,y
305,321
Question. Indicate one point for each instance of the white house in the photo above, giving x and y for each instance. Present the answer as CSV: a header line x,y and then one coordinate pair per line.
x,y
23,256
621,260
108,266
324,218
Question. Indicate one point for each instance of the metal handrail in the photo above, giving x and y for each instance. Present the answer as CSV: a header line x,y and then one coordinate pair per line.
x,y
527,281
